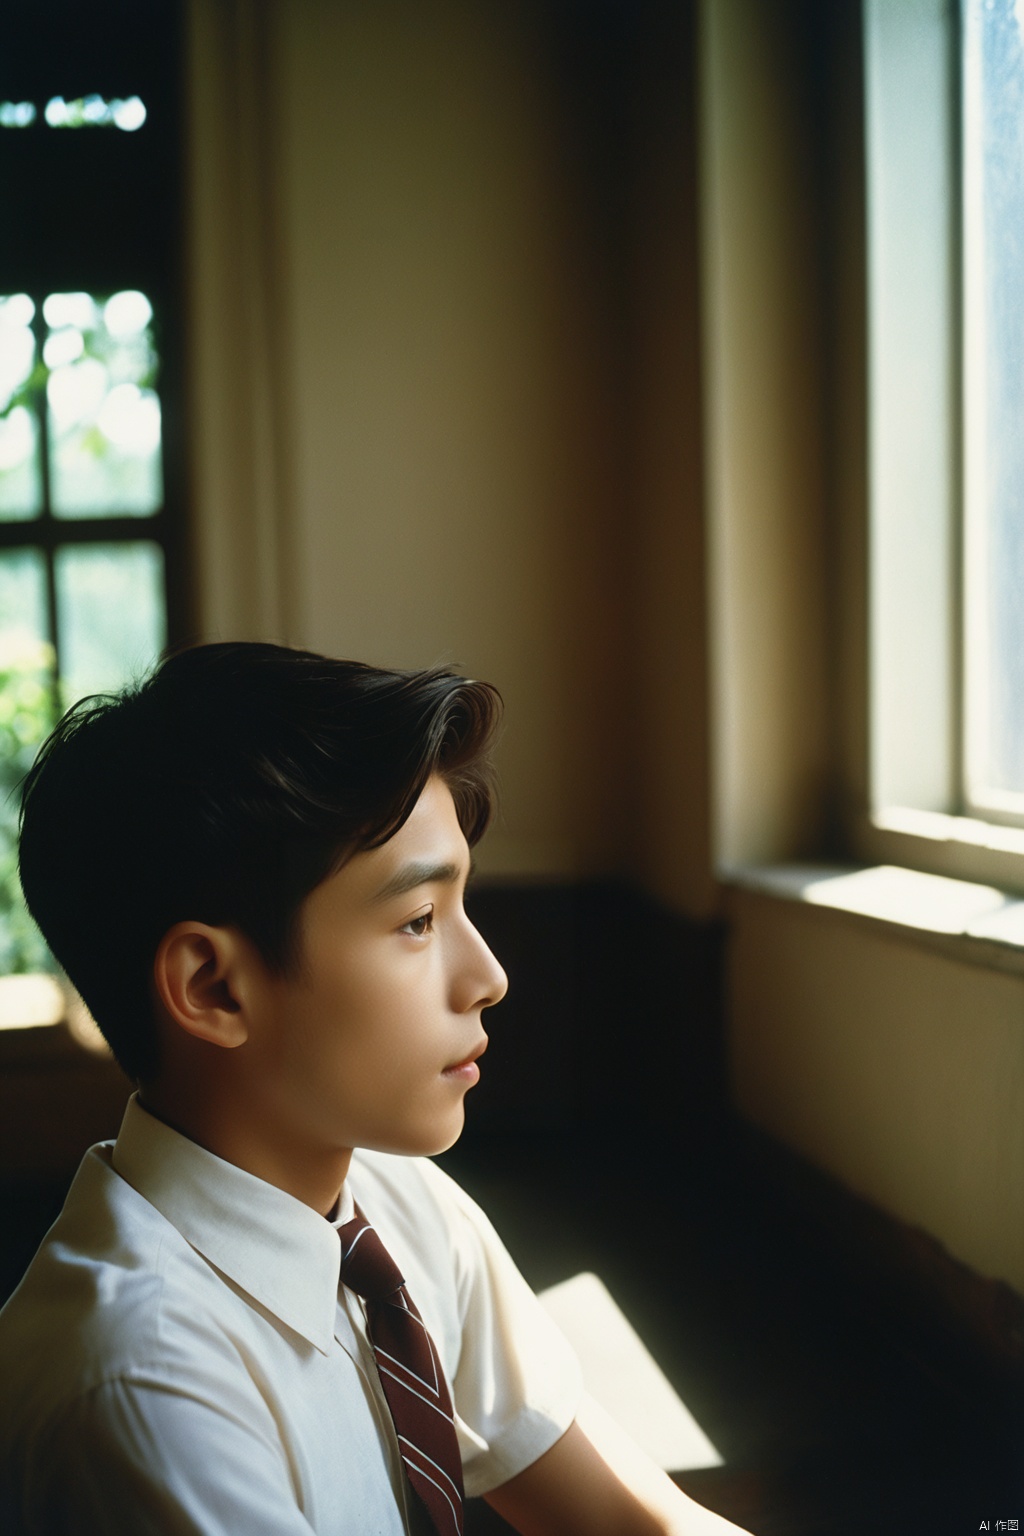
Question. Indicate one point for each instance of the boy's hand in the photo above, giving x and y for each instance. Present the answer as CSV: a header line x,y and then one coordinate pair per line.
x,y
597,1482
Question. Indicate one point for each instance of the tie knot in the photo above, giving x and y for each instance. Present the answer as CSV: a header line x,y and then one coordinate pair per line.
x,y
366,1266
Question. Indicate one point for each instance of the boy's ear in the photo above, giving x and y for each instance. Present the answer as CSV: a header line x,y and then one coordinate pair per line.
x,y
198,973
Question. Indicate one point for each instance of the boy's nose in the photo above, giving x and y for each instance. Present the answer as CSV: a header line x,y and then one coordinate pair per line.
x,y
498,982
485,980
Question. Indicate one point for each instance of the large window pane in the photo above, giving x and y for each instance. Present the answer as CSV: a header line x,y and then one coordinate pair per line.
x,y
22,599
994,380
104,412
110,614
21,487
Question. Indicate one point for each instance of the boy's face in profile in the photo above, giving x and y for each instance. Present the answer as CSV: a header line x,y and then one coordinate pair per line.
x,y
372,1043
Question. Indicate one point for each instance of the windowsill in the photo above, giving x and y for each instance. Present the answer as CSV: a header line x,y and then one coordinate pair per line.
x,y
976,924
962,848
968,831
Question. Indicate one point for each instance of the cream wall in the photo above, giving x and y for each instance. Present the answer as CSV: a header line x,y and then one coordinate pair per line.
x,y
451,481
899,1070
441,447
669,753
446,409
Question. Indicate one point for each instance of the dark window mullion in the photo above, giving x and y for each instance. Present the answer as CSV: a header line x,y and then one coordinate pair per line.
x,y
59,531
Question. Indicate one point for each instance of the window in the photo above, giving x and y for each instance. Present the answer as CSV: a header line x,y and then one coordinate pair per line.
x,y
91,506
945,208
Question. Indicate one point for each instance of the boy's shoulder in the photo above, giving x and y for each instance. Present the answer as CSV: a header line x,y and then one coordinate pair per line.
x,y
85,1308
114,1292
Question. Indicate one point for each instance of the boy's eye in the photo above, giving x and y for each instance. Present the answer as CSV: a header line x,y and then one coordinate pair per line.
x,y
420,926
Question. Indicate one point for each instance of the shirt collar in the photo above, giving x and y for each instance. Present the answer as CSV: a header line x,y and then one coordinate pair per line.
x,y
279,1251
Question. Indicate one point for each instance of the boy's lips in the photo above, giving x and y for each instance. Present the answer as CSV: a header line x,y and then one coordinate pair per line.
x,y
468,1064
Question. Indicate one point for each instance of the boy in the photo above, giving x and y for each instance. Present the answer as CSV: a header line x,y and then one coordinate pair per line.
x,y
252,867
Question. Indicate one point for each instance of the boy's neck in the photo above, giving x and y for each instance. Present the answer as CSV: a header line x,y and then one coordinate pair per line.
x,y
314,1178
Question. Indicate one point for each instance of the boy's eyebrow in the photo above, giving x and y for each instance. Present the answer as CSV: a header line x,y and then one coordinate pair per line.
x,y
418,872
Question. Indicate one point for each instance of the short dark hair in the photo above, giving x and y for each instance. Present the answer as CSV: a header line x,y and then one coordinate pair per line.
x,y
224,789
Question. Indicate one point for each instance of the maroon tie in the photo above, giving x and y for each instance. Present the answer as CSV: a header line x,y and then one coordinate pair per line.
x,y
410,1373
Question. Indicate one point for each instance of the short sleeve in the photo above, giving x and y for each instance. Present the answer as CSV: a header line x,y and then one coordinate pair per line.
x,y
517,1385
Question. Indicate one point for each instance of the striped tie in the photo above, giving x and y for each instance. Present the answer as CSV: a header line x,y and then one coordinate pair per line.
x,y
410,1373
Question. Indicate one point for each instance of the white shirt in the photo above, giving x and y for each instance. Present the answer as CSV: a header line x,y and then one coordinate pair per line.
x,y
179,1357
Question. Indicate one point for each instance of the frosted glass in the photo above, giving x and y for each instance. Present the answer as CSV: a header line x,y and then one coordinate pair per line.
x,y
103,408
22,600
21,481
994,151
110,613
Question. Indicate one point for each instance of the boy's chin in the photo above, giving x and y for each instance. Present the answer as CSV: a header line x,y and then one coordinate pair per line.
x,y
443,1142
430,1142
